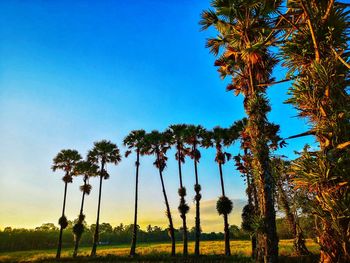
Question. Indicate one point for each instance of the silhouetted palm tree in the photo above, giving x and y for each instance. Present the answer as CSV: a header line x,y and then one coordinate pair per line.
x,y
177,133
65,160
157,144
135,141
103,152
193,138
87,170
220,137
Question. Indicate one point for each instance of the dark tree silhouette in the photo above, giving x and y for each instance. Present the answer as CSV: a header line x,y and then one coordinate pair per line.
x,y
135,141
192,137
157,144
65,160
87,170
177,133
219,137
103,152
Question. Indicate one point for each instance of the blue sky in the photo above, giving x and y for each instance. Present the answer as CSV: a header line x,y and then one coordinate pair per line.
x,y
73,72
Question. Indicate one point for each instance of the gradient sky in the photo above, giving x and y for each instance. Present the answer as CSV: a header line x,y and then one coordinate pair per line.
x,y
73,72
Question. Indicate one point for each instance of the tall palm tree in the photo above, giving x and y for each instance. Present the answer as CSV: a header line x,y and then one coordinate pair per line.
x,y
218,138
177,133
316,52
157,144
245,35
135,141
65,160
104,152
87,170
192,137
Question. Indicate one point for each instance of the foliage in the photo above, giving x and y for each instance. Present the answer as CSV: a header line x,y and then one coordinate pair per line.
x,y
224,205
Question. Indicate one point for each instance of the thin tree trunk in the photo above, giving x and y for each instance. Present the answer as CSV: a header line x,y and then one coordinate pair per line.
x,y
82,199
96,234
197,198
299,241
182,201
226,225
134,233
59,248
171,226
222,180
77,240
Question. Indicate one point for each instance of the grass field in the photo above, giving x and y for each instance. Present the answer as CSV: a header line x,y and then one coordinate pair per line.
x,y
149,252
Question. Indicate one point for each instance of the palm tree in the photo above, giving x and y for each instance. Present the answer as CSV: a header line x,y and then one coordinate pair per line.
x,y
192,137
177,133
135,140
103,152
87,170
157,144
245,35
65,160
220,137
316,53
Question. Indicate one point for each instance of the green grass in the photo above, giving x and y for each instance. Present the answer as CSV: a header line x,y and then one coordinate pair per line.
x,y
212,251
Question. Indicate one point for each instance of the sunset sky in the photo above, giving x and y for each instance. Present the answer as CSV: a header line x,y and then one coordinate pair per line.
x,y
74,72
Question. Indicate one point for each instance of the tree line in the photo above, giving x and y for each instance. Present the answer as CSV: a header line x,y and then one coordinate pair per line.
x,y
45,236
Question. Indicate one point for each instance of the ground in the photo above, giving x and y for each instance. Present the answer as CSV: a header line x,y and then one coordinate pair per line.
x,y
150,252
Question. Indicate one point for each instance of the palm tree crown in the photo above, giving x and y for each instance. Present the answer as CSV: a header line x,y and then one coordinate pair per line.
x,y
66,160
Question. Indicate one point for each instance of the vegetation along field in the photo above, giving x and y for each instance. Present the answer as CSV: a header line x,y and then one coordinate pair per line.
x,y
211,251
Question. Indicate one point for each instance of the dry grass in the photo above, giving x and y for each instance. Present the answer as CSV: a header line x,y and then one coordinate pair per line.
x,y
213,251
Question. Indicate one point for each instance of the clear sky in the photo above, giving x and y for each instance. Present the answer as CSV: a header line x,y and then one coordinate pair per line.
x,y
73,72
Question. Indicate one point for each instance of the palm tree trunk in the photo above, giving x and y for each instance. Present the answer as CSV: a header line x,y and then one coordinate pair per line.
x,y
222,180
134,233
182,201
227,236
171,226
226,225
197,198
77,239
96,234
58,254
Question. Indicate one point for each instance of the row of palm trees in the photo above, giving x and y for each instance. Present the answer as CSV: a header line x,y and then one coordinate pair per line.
x,y
70,161
186,139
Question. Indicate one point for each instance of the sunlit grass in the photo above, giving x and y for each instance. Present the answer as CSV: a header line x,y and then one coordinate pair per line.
x,y
153,251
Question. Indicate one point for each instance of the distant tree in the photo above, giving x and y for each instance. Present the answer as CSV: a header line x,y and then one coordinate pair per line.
x,y
157,144
47,227
104,152
192,137
65,160
135,141
218,138
87,170
177,138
